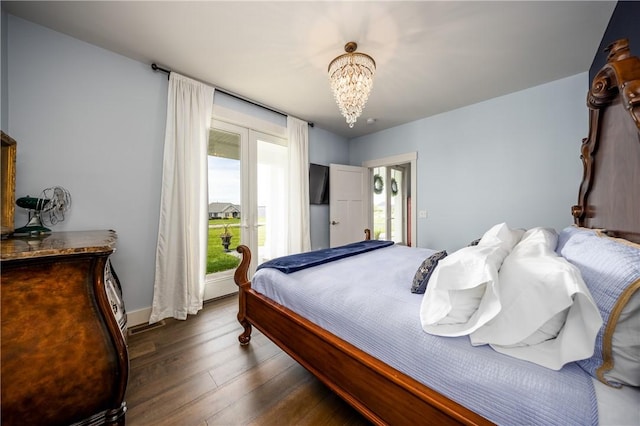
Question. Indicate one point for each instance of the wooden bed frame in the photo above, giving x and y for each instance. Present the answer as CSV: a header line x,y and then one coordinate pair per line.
x,y
609,198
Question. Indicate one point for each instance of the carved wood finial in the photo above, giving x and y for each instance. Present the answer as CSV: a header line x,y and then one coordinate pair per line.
x,y
240,275
618,50
621,75
577,213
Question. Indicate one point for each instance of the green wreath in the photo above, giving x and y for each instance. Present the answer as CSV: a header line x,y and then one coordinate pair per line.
x,y
394,186
378,184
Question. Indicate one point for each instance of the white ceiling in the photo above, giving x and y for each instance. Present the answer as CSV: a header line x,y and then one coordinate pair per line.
x,y
431,57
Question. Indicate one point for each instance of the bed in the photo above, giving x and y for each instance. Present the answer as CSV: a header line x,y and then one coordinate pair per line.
x,y
389,383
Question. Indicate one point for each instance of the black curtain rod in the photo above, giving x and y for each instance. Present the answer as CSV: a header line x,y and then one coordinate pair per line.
x,y
155,67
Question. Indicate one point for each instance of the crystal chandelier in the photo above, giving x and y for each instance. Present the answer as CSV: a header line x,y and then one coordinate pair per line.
x,y
351,76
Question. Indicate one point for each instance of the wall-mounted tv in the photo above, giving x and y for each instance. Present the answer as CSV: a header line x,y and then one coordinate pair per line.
x,y
318,184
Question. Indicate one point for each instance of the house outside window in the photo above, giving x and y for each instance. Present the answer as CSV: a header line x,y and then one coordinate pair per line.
x,y
224,211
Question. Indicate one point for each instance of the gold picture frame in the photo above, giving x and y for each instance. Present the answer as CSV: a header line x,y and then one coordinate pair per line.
x,y
8,188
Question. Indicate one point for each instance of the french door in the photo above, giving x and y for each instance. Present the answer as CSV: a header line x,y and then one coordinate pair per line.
x,y
248,176
393,208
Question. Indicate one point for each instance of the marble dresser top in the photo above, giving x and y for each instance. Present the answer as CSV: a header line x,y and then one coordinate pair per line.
x,y
58,243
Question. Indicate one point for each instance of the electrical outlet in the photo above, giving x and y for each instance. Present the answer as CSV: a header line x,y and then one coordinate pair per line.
x,y
422,214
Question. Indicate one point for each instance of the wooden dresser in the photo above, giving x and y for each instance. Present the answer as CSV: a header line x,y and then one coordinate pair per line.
x,y
64,353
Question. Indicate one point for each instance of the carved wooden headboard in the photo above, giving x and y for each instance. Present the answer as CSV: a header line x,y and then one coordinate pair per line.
x,y
609,196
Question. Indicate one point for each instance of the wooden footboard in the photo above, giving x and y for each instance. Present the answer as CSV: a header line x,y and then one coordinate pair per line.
x,y
381,393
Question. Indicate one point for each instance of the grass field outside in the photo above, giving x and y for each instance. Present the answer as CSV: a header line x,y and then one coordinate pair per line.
x,y
217,259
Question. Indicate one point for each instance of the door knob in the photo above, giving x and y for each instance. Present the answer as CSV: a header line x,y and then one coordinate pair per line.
x,y
334,222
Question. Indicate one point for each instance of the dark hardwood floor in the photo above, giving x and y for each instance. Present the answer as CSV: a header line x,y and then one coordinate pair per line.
x,y
194,372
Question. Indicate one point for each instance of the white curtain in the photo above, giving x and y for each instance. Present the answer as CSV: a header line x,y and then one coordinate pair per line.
x,y
299,233
181,252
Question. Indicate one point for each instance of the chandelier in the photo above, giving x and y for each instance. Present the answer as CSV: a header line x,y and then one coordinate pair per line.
x,y
351,77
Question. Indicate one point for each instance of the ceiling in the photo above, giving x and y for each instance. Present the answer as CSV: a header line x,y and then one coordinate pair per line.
x,y
431,57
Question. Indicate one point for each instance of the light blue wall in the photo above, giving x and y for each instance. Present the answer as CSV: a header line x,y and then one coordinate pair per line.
x,y
4,110
93,122
511,159
324,148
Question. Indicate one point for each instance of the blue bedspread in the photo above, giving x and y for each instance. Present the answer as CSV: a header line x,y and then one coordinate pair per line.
x,y
367,301
297,262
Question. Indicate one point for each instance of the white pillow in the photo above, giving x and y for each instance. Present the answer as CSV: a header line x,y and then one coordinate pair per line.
x,y
501,235
548,315
461,295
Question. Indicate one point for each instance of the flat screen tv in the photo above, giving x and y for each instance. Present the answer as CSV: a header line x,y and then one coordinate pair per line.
x,y
318,184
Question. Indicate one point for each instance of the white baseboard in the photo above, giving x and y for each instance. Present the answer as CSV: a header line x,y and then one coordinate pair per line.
x,y
141,316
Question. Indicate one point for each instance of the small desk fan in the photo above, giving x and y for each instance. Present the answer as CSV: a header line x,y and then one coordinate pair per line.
x,y
48,209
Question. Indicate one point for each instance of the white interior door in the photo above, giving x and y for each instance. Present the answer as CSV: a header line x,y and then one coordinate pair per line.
x,y
348,204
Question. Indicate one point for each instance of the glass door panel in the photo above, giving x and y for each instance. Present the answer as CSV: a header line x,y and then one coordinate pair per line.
x,y
396,202
389,202
224,200
379,204
226,207
272,197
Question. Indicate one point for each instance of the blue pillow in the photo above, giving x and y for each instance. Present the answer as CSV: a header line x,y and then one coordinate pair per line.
x,y
425,270
611,269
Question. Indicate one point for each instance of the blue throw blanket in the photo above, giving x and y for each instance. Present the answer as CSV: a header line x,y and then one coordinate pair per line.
x,y
296,262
